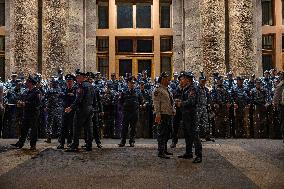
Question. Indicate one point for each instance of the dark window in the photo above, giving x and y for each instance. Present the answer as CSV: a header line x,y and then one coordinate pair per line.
x,y
2,14
166,65
144,45
267,42
2,68
267,12
166,44
143,15
145,65
103,66
103,16
125,45
267,62
2,43
282,42
102,44
125,67
165,15
124,15
282,12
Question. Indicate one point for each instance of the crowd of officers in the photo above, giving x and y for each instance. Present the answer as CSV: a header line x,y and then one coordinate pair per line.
x,y
231,107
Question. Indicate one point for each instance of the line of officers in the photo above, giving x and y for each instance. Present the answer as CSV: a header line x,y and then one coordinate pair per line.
x,y
230,108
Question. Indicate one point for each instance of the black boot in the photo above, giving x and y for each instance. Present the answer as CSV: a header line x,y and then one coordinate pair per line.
x,y
186,156
163,156
197,160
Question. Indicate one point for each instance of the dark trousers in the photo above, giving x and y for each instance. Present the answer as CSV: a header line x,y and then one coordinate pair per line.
x,y
30,121
83,118
67,128
96,127
129,121
281,109
163,132
176,125
191,134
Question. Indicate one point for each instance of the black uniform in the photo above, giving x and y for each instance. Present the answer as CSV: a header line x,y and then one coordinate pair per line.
x,y
83,107
32,101
130,101
67,126
191,132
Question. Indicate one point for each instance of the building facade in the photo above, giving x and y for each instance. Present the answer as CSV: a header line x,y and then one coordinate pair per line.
x,y
128,36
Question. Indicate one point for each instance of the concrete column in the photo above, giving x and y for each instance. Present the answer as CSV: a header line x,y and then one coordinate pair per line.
x,y
242,45
55,50
156,26
178,39
112,26
21,37
91,25
213,36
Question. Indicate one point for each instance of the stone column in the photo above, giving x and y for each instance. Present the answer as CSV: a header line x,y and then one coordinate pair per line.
x,y
213,36
75,35
258,36
242,45
178,39
21,37
91,25
193,48
55,50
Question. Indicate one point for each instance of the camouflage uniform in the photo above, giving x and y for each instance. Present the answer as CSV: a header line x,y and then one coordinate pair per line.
x,y
241,99
259,100
54,105
202,116
220,99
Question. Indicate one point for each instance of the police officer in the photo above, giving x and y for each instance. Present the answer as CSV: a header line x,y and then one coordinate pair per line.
x,y
240,101
202,107
68,100
31,104
188,106
83,107
259,101
221,104
130,101
164,110
54,108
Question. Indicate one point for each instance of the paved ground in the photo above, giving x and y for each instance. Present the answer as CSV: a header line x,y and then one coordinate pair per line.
x,y
227,164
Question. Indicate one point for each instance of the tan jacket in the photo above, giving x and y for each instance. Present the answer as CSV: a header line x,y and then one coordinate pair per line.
x,y
163,101
278,97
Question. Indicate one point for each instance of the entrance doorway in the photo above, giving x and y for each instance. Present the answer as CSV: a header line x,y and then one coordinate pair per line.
x,y
145,64
125,66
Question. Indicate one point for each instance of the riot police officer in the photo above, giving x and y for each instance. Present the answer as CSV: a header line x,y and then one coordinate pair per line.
x,y
83,107
130,101
31,104
188,106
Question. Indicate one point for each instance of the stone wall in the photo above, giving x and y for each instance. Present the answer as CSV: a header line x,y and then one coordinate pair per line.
x,y
22,37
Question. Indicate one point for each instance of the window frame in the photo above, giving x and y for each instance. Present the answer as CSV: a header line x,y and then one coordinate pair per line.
x,y
165,2
102,3
134,43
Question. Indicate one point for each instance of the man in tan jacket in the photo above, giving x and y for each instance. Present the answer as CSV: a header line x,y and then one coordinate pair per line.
x,y
164,110
278,101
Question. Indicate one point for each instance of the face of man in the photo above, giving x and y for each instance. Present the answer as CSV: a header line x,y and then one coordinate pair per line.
x,y
240,82
80,78
142,86
130,85
69,83
184,81
29,84
257,85
220,82
165,81
202,82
